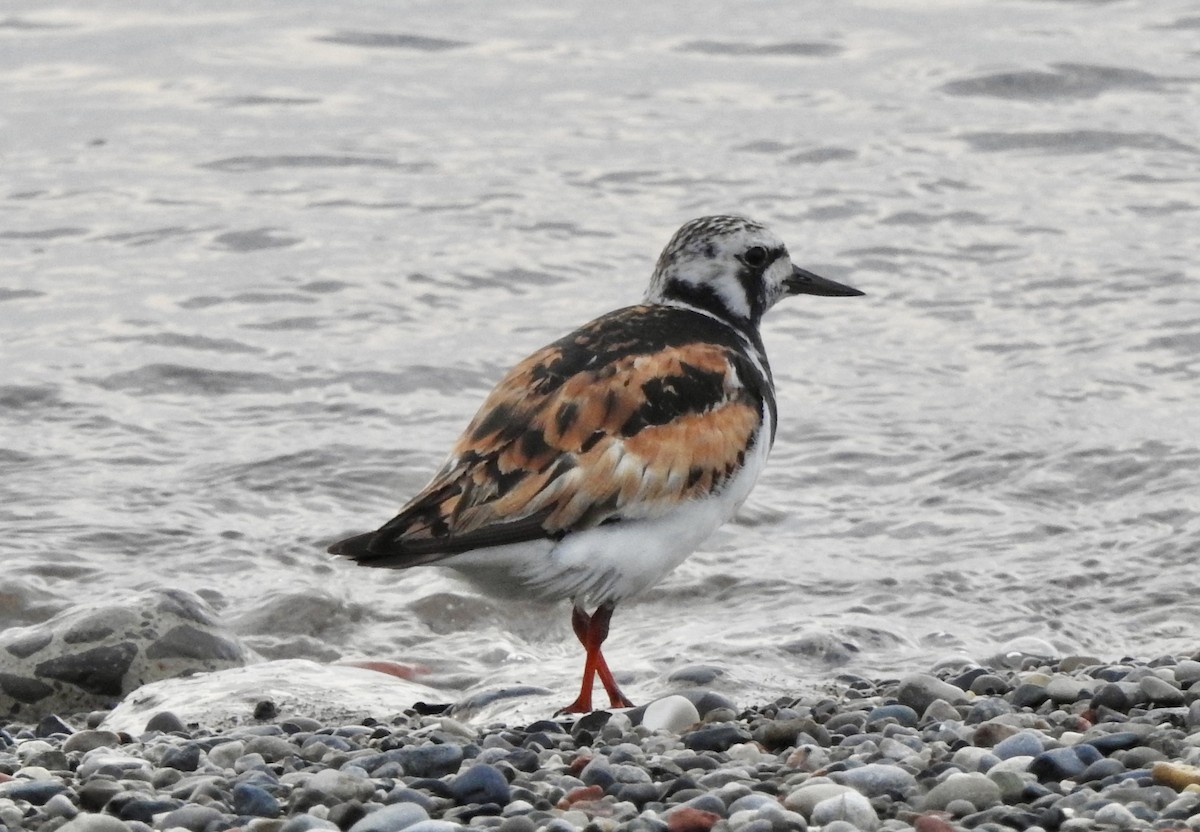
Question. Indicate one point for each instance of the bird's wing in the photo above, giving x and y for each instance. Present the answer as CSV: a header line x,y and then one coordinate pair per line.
x,y
588,430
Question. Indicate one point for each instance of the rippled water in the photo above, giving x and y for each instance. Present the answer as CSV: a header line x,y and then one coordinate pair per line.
x,y
261,262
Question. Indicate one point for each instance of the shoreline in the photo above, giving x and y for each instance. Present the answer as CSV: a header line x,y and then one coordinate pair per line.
x,y
1068,744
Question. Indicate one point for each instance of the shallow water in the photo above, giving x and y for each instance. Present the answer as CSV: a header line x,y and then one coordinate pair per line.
x,y
260,264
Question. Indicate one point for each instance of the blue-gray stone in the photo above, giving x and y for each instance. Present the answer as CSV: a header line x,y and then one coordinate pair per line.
x,y
1063,763
249,799
403,794
429,760
1029,695
1021,744
715,738
903,715
182,758
480,783
754,800
1117,741
390,818
144,809
875,779
1102,769
36,792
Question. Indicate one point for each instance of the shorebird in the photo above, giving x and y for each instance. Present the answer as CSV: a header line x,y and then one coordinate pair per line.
x,y
604,459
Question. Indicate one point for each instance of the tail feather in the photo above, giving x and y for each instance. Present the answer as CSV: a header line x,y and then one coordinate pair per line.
x,y
370,549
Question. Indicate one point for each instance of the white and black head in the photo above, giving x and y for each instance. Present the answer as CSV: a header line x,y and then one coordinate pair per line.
x,y
734,268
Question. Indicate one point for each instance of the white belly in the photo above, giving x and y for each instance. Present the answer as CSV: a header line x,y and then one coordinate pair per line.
x,y
610,562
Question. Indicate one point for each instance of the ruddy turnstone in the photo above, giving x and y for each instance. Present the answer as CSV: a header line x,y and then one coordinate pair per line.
x,y
600,462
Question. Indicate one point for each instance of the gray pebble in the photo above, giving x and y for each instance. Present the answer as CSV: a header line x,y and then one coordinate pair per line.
x,y
87,740
1160,691
875,779
850,807
390,818
94,823
972,787
919,690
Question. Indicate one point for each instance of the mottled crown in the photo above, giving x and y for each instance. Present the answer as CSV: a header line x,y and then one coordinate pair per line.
x,y
728,266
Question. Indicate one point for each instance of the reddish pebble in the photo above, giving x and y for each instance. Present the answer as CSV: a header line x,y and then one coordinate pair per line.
x,y
402,671
687,819
932,823
4,778
578,764
579,795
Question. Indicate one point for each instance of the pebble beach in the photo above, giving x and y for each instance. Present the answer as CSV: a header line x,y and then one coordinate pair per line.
x,y
1068,744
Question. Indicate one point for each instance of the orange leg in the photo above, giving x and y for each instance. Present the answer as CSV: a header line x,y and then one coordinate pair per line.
x,y
592,630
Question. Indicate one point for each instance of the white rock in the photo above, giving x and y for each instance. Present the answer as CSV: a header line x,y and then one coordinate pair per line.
x,y
851,807
331,694
671,713
805,797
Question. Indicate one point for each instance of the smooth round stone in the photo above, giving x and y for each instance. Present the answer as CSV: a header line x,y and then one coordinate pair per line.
x,y
1116,816
753,801
1101,769
435,826
272,749
1029,695
226,754
940,710
182,758
1187,672
803,798
639,794
1063,763
715,737
970,758
192,817
875,779
1142,756
919,690
1025,743
94,823
989,684
1018,764
391,818
430,760
1176,775
902,714
1160,691
60,806
36,792
689,819
1111,696
671,713
972,787
339,786
696,674
840,826
249,799
1116,741
303,823
121,766
1010,783
1065,689
598,772
480,783
987,708
84,741
166,722
851,807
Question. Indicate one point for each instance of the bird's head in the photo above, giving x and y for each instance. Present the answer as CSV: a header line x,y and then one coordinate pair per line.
x,y
734,268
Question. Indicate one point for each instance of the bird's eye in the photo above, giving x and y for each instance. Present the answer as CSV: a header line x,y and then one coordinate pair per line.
x,y
755,256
